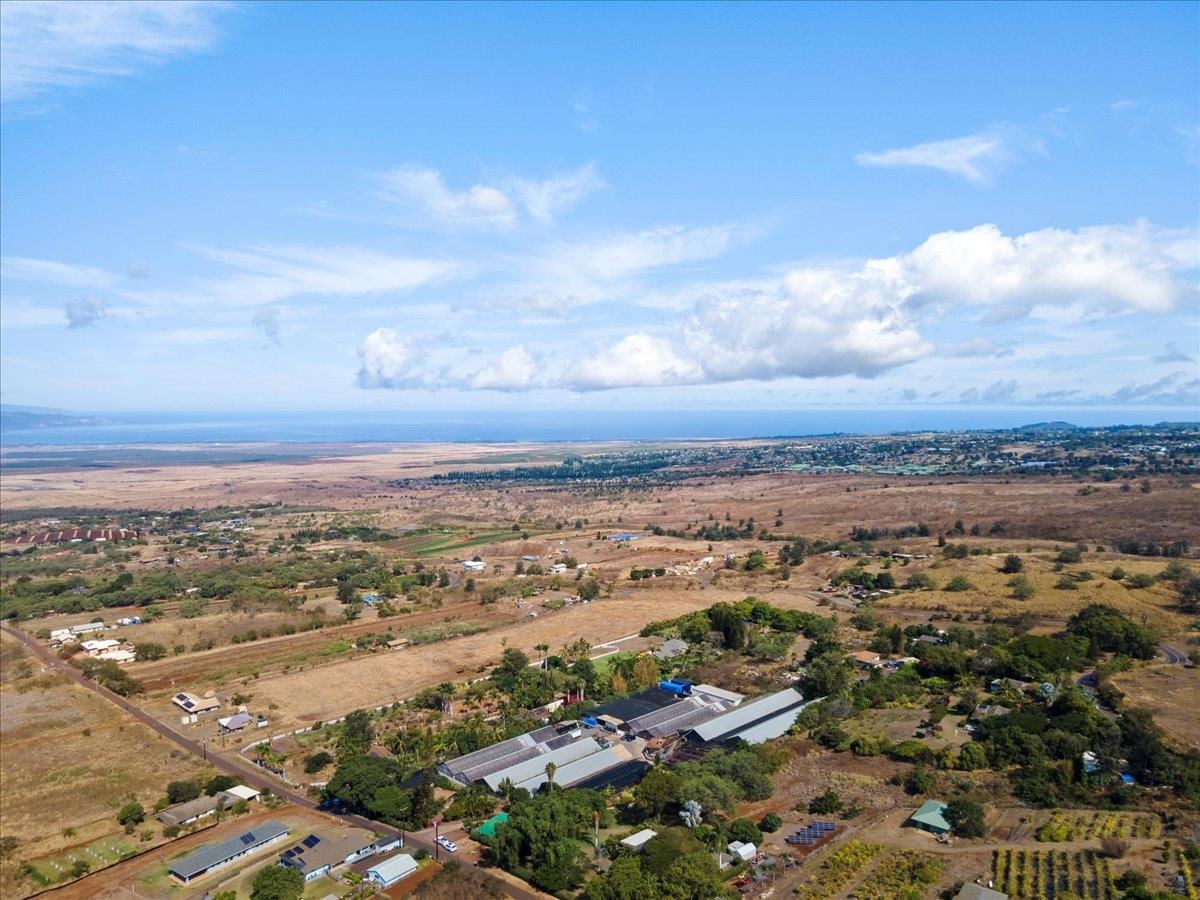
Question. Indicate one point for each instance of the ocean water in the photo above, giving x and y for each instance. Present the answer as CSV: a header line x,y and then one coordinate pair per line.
x,y
459,426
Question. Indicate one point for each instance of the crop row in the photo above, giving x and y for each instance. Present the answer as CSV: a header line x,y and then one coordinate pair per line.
x,y
1046,874
1088,826
838,870
902,873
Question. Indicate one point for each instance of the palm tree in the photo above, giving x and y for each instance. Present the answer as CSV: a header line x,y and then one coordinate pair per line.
x,y
542,648
551,768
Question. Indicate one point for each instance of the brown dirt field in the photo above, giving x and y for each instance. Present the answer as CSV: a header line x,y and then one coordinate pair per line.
x,y
216,665
380,678
71,759
814,505
1171,693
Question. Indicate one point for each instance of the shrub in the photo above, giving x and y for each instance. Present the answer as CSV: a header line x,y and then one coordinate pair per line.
x,y
958,584
770,823
826,803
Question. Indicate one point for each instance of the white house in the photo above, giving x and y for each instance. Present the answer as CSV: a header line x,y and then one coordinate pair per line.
x,y
474,565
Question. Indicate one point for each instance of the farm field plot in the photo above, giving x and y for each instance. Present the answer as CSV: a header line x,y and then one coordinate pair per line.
x,y
1038,874
838,870
1071,826
380,678
70,761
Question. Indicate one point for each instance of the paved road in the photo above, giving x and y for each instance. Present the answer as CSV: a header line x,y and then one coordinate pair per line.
x,y
1173,655
249,774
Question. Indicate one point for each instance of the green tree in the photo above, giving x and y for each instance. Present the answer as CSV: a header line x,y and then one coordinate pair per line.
x,y
825,804
358,733
966,817
149,651
655,792
131,814
695,876
182,791
745,831
624,880
770,823
219,783
316,762
918,780
1012,564
277,883
1022,587
669,845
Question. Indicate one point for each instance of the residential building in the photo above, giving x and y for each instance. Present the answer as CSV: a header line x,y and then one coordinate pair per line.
x,y
931,817
190,703
322,851
210,857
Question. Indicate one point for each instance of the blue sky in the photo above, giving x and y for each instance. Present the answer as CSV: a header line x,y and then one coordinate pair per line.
x,y
288,206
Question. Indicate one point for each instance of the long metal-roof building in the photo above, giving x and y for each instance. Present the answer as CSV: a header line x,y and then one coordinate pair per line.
x,y
528,769
754,721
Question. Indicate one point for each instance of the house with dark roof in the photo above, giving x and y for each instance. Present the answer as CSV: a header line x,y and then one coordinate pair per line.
x,y
211,857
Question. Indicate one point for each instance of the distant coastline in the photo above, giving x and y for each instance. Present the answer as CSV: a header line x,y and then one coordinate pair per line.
x,y
31,427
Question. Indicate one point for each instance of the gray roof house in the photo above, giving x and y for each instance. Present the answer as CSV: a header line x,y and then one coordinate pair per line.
x,y
214,856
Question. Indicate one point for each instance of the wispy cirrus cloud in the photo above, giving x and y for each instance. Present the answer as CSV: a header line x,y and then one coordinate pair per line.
x,y
264,274
425,195
47,271
976,157
48,44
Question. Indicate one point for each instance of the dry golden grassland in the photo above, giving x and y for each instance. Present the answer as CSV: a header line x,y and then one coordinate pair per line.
x,y
70,761
990,594
1171,693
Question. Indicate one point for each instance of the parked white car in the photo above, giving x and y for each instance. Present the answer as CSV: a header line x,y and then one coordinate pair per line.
x,y
448,845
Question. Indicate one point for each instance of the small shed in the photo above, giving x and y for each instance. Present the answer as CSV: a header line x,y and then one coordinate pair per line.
x,y
743,851
931,817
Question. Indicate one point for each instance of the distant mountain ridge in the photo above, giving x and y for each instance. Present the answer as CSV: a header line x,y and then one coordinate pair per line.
x,y
43,417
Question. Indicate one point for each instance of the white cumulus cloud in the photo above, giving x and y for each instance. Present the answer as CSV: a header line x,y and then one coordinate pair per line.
x,y
634,361
514,370
387,360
